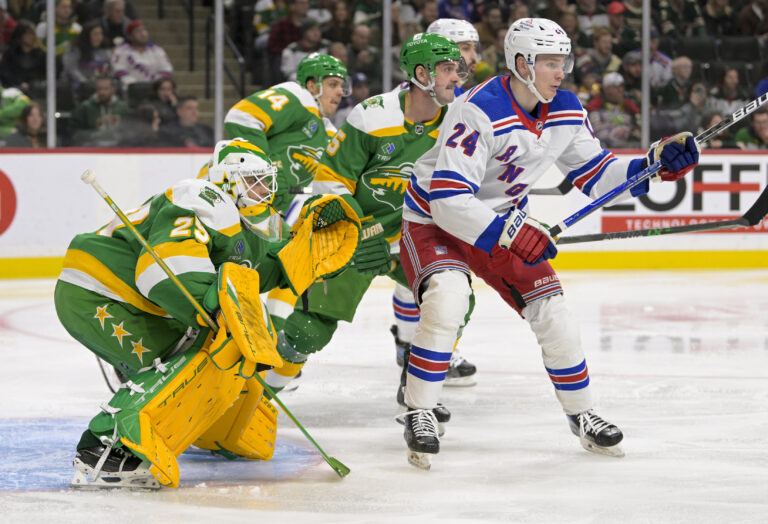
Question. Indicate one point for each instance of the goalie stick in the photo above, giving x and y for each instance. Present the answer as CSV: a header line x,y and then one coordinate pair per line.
x,y
645,174
751,218
89,177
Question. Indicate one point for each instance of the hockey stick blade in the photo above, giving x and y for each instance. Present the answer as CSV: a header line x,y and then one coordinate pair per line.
x,y
751,218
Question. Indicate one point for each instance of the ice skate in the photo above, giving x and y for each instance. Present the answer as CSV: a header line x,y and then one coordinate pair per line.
x,y
294,384
119,469
461,372
596,434
420,436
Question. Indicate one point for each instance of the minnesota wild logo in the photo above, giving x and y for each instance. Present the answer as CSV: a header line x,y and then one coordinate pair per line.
x,y
387,184
210,196
374,101
303,162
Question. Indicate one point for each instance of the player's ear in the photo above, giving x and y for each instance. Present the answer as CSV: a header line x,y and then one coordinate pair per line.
x,y
522,66
312,87
422,75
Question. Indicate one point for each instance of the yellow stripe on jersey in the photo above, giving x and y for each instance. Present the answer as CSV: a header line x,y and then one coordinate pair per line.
x,y
248,107
90,265
326,174
185,248
434,133
388,131
231,230
313,110
245,145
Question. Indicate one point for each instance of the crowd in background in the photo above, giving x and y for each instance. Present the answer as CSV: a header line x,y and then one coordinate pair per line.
x,y
708,58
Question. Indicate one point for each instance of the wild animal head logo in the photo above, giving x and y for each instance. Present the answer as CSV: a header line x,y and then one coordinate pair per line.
x,y
387,184
303,162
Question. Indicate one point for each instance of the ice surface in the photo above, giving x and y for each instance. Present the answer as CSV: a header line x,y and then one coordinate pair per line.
x,y
679,360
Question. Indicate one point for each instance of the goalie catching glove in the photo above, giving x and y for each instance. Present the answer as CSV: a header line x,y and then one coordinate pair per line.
x,y
372,256
323,241
527,238
678,154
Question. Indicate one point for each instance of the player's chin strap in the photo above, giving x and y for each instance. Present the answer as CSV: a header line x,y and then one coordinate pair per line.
x,y
529,84
429,88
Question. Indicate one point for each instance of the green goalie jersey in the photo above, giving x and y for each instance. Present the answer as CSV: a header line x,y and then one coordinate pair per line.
x,y
194,227
284,121
372,157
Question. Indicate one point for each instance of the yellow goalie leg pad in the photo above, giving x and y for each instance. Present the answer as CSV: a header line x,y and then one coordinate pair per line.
x,y
323,240
186,406
248,429
246,318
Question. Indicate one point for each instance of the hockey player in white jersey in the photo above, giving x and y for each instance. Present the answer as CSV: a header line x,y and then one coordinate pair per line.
x,y
466,37
466,209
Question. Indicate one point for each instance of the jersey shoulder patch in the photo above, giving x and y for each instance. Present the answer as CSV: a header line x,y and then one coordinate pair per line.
x,y
210,204
377,113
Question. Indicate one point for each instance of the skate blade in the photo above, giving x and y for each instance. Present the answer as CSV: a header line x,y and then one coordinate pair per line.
x,y
460,382
420,460
610,451
132,481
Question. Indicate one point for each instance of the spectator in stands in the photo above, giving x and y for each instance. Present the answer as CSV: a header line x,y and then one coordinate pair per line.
x,y
589,88
490,21
320,11
12,103
591,16
579,40
29,10
29,131
634,15
762,85
23,63
555,8
756,135
461,9
624,37
677,90
341,24
7,24
141,129
719,18
427,14
66,28
89,56
729,94
311,41
753,19
115,23
614,117
285,31
363,57
339,50
632,72
681,18
164,100
724,140
493,55
660,64
96,121
360,91
600,59
188,131
139,60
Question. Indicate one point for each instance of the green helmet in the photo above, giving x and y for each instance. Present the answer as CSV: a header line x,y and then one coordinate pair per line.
x,y
319,66
426,49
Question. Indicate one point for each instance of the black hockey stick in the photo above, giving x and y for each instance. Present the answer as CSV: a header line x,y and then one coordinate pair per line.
x,y
651,170
751,218
89,177
560,189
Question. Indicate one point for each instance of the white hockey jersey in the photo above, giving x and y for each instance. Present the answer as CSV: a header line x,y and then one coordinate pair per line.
x,y
489,154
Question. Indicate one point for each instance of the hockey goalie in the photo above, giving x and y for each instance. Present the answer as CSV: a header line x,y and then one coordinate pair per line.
x,y
188,384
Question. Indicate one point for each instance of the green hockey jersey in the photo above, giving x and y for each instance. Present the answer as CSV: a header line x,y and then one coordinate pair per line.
x,y
194,227
372,158
284,121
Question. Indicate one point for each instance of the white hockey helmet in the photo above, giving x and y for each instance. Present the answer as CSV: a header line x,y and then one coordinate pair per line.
x,y
244,172
536,36
454,29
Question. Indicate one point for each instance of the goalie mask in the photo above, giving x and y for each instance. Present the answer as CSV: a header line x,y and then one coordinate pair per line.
x,y
245,173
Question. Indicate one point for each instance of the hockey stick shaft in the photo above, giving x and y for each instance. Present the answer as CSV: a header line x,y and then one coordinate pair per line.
x,y
752,217
638,178
89,177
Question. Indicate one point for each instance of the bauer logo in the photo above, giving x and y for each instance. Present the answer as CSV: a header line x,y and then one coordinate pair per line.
x,y
7,202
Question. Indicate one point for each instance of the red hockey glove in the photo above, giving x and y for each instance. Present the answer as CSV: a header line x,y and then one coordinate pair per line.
x,y
527,238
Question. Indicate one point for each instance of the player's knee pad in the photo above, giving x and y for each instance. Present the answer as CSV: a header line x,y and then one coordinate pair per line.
x,y
247,429
163,410
445,302
556,331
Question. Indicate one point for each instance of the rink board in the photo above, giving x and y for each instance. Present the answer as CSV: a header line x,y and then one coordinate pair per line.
x,y
43,204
